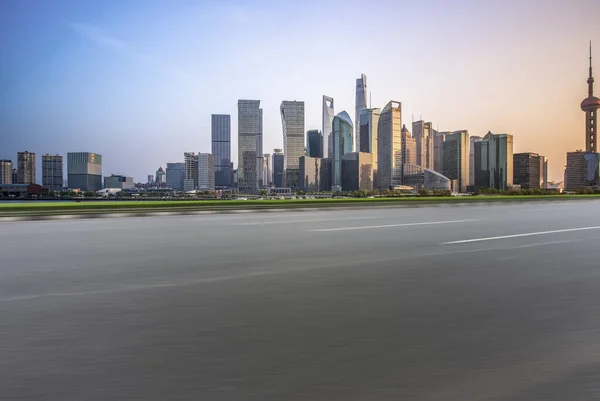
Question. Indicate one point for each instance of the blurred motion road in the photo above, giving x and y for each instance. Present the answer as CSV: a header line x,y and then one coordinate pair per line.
x,y
448,302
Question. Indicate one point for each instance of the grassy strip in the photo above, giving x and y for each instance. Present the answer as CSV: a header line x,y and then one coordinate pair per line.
x,y
111,206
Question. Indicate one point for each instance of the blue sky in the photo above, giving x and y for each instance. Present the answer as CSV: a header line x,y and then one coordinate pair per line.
x,y
137,81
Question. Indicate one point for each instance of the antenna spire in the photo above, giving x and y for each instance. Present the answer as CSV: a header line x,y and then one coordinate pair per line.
x,y
590,80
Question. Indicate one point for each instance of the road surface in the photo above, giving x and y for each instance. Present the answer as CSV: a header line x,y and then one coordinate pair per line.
x,y
431,302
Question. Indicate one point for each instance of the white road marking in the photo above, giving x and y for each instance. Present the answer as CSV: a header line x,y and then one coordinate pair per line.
x,y
425,223
566,230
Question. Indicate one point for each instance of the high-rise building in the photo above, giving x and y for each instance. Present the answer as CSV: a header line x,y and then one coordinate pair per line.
x,y
190,180
205,171
15,176
278,172
175,175
361,104
6,172
119,182
357,171
52,172
249,126
325,175
369,120
292,121
389,146
267,180
438,150
221,149
342,144
582,170
494,161
544,174
150,179
423,134
456,160
314,143
310,174
161,177
84,171
409,147
528,170
590,105
259,151
328,114
26,168
473,140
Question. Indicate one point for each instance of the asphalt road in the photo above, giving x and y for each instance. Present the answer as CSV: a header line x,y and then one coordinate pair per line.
x,y
448,302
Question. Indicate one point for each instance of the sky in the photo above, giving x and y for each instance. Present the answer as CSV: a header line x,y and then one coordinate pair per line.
x,y
137,80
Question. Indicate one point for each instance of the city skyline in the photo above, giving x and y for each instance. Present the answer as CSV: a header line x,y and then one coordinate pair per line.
x,y
111,62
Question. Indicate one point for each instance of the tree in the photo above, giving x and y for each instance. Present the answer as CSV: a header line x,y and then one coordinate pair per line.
x,y
423,192
264,192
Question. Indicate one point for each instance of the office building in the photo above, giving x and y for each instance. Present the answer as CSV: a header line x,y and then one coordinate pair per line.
x,y
221,149
423,134
205,171
6,172
389,146
161,177
15,176
259,151
314,143
494,161
249,125
472,141
438,151
25,168
419,178
175,175
310,174
582,170
455,164
267,175
84,171
590,106
369,120
118,182
278,171
325,175
361,104
292,121
357,171
544,177
150,179
190,179
528,170
328,115
52,172
342,144
409,146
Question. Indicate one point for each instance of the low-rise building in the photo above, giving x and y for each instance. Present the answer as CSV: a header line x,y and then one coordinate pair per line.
x,y
119,182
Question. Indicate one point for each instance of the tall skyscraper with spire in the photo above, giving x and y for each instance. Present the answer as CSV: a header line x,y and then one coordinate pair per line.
x,y
361,104
590,105
328,115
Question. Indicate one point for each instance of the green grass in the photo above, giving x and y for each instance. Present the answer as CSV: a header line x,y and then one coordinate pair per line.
x,y
110,206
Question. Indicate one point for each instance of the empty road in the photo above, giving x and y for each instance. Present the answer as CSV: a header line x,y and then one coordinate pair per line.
x,y
431,302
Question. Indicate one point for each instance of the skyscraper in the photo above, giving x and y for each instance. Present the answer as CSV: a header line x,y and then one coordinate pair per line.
x,y
84,171
314,143
369,120
409,147
494,161
205,171
473,140
259,151
342,144
328,114
267,177
590,105
6,172
357,171
456,160
175,175
438,151
423,134
278,172
292,121
221,149
361,104
26,168
389,146
528,170
582,170
150,179
249,126
310,173
52,172
190,181
161,177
